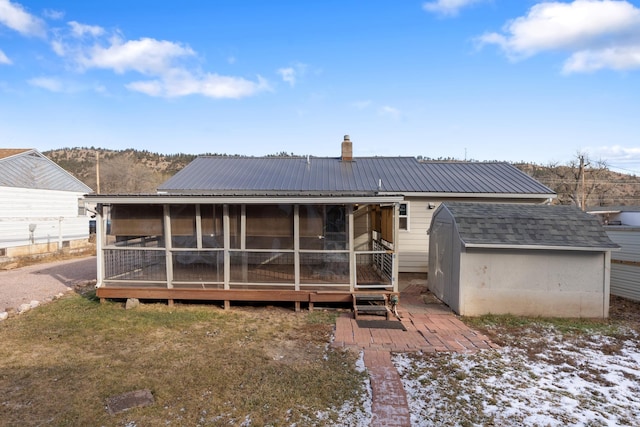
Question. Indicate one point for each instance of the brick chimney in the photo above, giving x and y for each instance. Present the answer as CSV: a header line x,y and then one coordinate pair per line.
x,y
347,149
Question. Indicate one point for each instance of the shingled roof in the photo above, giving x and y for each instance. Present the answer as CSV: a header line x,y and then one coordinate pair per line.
x,y
527,226
390,175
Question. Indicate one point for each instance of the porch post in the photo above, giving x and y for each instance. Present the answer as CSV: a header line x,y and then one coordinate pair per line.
x,y
396,244
100,239
227,245
198,228
353,267
296,246
167,246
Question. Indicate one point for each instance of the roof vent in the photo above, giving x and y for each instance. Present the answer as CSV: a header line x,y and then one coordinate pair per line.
x,y
347,149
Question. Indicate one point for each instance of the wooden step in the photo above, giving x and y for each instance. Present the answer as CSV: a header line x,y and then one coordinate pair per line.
x,y
375,304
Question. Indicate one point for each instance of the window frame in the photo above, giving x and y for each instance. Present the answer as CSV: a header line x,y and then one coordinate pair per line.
x,y
407,215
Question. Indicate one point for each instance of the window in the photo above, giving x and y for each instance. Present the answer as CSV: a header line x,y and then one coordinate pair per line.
x,y
403,216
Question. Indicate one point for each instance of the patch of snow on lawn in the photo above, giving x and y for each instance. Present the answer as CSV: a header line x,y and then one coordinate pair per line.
x,y
547,379
350,414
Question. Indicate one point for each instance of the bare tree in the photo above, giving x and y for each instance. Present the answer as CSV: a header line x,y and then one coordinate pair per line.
x,y
581,181
123,175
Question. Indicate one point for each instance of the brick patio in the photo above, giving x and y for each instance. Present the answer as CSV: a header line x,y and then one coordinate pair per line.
x,y
429,328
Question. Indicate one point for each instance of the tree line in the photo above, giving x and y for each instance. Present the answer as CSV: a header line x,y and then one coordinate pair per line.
x,y
582,182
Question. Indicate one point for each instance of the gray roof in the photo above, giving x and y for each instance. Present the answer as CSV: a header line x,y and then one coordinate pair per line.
x,y
393,175
473,177
526,225
30,169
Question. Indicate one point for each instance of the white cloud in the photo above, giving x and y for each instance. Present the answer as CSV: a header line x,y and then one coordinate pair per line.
x,y
616,153
146,55
161,61
291,74
448,7
616,58
49,83
595,33
53,14
179,82
14,16
288,75
388,111
80,30
4,59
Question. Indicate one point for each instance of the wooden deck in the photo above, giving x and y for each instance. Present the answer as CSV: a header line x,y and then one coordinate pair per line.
x,y
309,297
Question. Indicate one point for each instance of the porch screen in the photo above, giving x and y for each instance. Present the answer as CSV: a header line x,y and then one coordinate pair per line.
x,y
183,226
212,234
269,226
136,220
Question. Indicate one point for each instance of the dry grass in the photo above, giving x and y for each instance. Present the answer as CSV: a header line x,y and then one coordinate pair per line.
x,y
205,366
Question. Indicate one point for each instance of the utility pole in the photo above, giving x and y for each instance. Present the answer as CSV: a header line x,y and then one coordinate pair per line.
x,y
97,172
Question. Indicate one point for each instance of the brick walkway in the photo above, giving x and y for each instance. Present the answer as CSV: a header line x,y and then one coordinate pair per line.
x,y
429,328
425,332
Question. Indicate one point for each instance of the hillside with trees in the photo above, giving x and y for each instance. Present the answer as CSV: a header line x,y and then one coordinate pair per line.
x,y
136,172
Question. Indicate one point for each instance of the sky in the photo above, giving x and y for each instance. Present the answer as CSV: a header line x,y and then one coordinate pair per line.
x,y
509,80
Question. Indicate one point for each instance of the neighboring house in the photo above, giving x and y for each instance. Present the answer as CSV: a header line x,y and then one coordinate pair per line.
x,y
304,226
532,260
622,224
41,206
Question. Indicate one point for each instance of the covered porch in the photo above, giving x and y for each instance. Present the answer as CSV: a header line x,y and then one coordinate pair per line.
x,y
303,249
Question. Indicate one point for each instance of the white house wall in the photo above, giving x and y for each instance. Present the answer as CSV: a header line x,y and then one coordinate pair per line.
x,y
629,218
534,283
33,216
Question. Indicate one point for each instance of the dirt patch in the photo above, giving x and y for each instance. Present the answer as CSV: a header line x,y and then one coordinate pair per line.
x,y
623,309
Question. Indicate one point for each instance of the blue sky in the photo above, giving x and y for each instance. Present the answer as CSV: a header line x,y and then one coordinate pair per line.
x,y
486,79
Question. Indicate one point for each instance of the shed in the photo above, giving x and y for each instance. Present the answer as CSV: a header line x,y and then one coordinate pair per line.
x,y
532,260
41,206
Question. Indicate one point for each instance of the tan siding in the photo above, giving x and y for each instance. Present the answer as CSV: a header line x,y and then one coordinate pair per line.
x,y
414,244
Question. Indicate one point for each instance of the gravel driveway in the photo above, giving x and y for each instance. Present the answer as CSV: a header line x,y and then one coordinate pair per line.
x,y
42,282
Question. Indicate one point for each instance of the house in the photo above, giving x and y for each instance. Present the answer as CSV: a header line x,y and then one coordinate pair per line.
x,y
423,186
532,260
308,227
41,206
622,224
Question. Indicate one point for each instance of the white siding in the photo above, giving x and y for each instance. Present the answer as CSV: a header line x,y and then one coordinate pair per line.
x,y
625,263
52,215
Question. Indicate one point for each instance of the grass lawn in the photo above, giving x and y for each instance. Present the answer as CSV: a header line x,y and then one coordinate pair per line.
x,y
60,363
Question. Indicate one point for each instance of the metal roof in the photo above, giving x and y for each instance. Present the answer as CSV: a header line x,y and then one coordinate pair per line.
x,y
527,226
274,175
473,177
30,169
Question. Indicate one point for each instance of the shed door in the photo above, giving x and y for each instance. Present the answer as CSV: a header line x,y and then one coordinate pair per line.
x,y
440,259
